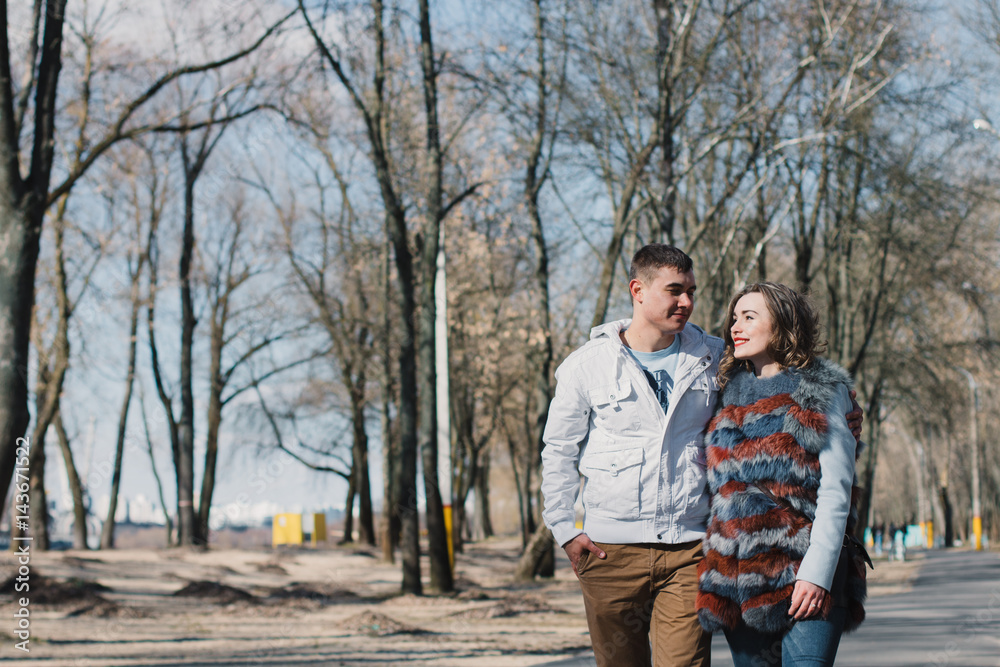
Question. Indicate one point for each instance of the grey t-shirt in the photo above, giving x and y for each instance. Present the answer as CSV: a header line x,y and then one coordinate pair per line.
x,y
660,368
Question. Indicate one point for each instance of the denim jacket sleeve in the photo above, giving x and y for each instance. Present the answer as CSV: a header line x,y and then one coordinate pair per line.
x,y
833,502
566,431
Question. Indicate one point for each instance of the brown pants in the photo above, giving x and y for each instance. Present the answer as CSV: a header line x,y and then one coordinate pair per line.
x,y
640,605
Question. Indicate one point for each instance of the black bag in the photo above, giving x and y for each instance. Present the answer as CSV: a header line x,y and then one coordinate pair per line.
x,y
857,556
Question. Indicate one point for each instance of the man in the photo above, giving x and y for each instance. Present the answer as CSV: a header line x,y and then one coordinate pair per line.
x,y
629,415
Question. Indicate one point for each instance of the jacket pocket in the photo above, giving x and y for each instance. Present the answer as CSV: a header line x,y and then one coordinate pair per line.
x,y
615,407
696,475
612,488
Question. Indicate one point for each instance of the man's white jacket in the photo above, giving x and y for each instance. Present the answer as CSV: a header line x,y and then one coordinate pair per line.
x,y
643,469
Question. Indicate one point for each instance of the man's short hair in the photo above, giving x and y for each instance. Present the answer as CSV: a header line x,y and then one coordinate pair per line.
x,y
653,257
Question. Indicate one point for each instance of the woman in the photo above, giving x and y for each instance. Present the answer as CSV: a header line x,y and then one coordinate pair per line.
x,y
780,471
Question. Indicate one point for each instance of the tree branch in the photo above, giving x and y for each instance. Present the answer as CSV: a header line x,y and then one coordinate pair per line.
x,y
118,132
280,444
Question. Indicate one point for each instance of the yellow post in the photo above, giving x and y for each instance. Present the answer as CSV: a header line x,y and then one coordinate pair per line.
x,y
319,529
286,529
451,536
977,532
930,534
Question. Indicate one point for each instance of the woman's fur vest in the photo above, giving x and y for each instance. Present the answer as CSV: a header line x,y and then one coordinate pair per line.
x,y
763,460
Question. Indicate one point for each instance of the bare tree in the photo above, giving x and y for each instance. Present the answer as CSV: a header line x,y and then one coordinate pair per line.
x,y
75,485
374,110
334,274
146,218
231,101
53,363
391,483
167,519
414,270
25,199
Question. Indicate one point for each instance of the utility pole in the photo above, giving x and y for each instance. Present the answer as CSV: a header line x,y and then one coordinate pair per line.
x,y
977,517
443,396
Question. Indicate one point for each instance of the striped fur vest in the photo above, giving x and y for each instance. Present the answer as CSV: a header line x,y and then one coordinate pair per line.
x,y
763,446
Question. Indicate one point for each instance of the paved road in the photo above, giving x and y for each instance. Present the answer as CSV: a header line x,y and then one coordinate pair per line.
x,y
950,618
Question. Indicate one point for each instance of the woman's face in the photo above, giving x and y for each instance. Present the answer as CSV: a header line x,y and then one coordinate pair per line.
x,y
751,330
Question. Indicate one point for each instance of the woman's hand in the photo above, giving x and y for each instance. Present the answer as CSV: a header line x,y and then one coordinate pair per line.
x,y
807,600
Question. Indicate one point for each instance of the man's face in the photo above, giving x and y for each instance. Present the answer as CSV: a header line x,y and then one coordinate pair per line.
x,y
666,302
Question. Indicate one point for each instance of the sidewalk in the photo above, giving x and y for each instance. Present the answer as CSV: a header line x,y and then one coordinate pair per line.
x,y
950,617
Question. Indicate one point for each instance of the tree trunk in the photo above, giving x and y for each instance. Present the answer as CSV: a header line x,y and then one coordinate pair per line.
x,y
168,523
359,472
522,501
53,364
214,422
390,516
406,501
52,370
39,510
165,399
19,243
75,486
22,210
460,527
375,116
187,528
108,530
867,475
463,460
541,353
437,536
352,492
664,34
535,554
482,486
230,274
37,526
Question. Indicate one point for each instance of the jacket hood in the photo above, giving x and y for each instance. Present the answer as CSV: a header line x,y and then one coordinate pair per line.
x,y
610,329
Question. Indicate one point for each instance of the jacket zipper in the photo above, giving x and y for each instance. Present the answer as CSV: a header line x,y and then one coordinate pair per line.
x,y
690,374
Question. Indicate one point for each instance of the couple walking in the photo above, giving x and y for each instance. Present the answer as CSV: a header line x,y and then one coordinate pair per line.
x,y
718,476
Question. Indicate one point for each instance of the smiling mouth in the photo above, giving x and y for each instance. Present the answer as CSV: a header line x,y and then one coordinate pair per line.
x,y
739,341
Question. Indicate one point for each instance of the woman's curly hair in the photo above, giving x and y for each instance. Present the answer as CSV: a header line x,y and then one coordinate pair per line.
x,y
795,337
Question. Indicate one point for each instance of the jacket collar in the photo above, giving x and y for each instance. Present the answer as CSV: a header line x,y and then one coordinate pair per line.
x,y
692,336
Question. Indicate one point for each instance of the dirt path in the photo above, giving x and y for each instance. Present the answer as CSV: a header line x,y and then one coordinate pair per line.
x,y
288,607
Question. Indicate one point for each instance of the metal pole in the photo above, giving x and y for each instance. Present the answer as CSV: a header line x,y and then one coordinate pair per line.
x,y
977,518
443,395
922,514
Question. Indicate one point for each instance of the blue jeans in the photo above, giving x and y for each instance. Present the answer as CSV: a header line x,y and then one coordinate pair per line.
x,y
813,643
